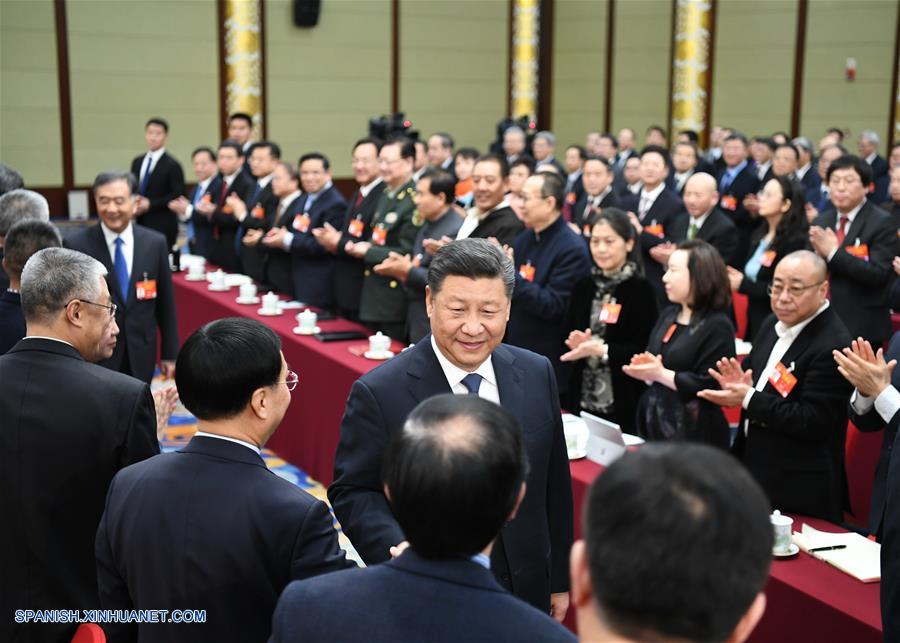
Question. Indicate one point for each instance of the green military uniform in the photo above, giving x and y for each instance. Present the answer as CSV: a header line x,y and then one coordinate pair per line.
x,y
383,302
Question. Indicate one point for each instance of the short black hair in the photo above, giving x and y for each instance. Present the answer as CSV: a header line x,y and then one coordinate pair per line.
x,y
691,135
789,146
454,473
158,121
525,161
689,144
223,363
441,182
205,149
446,140
273,148
24,239
737,136
473,259
656,149
499,159
553,185
768,141
582,153
104,178
9,179
601,159
315,156
678,543
467,153
838,131
369,140
863,169
611,138
407,146
241,116
231,144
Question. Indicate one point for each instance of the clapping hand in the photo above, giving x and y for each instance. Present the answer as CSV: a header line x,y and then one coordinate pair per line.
x,y
733,380
252,237
645,366
582,345
735,278
823,240
328,237
863,368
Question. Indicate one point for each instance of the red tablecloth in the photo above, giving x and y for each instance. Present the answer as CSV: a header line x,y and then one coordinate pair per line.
x,y
807,599
308,435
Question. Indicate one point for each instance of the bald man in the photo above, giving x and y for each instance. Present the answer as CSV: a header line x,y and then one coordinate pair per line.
x,y
794,400
704,220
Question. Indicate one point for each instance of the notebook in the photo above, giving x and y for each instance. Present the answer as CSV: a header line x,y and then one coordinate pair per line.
x,y
860,557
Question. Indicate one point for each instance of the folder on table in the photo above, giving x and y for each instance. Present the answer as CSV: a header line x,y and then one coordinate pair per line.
x,y
859,557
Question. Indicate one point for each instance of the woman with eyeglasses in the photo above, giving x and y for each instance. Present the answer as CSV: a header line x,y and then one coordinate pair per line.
x,y
687,340
611,314
786,229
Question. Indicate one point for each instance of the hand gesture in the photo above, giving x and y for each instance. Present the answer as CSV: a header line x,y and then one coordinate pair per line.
x,y
823,240
863,368
328,237
733,380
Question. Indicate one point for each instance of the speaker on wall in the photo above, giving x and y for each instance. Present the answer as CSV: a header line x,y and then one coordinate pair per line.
x,y
306,12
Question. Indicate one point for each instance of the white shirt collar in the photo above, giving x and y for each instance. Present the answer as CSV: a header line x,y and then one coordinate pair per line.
x,y
230,178
205,183
54,339
871,157
801,172
573,176
264,181
252,447
791,332
127,235
699,221
154,156
447,162
290,197
599,197
455,375
477,213
654,193
852,214
365,189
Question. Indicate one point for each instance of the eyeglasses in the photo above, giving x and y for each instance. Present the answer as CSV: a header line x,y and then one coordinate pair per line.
x,y
775,290
112,308
291,381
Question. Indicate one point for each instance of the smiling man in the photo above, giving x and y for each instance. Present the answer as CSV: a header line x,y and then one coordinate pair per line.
x,y
468,299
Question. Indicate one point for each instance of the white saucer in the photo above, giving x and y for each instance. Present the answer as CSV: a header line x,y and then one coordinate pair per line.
x,y
268,313
247,300
218,288
378,356
577,454
792,551
299,331
195,277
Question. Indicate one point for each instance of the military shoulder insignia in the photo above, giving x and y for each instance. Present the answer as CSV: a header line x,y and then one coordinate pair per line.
x,y
401,196
390,218
418,219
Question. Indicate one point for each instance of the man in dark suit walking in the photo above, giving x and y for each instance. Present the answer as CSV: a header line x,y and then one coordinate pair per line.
x,y
68,426
248,532
160,180
209,184
794,419
858,240
140,279
450,500
348,270
470,285
312,267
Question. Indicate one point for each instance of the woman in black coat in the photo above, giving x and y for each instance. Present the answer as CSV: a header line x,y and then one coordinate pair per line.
x,y
611,314
781,206
686,342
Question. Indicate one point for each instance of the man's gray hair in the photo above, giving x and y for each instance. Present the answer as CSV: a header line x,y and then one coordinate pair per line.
x,y
514,129
805,143
21,205
473,259
871,136
548,137
52,277
9,179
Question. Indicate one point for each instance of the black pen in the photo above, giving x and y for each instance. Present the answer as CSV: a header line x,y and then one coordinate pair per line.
x,y
831,548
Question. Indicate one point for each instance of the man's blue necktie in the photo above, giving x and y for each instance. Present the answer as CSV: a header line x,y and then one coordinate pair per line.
x,y
146,178
472,382
121,269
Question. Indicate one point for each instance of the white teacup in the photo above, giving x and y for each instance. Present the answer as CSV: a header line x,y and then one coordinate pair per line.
x,y
306,321
270,302
218,279
197,269
782,528
248,291
379,343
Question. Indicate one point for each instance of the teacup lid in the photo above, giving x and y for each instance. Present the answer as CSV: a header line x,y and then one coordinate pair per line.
x,y
776,518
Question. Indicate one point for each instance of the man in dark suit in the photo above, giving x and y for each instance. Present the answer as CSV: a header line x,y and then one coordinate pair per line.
x,y
806,172
235,187
240,130
574,162
68,426
794,419
235,534
470,284
890,554
450,501
18,205
867,145
160,180
312,267
550,259
543,148
664,498
762,149
598,194
199,227
286,188
257,213
703,220
140,279
23,240
433,198
859,242
439,151
736,181
491,216
348,270
685,159
656,208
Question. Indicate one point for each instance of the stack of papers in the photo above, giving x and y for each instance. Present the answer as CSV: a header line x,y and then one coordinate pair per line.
x,y
859,557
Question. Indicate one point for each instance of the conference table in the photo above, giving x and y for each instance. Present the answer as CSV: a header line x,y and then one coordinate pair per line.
x,y
808,600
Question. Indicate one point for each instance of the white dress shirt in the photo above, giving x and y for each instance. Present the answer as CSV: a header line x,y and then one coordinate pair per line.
x,y
364,190
149,162
647,199
252,447
127,244
761,170
886,404
488,389
202,186
475,216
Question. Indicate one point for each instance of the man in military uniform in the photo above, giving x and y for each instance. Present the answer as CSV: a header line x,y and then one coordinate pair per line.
x,y
383,301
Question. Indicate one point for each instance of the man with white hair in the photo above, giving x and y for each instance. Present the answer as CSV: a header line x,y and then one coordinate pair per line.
x,y
543,147
19,205
806,173
68,427
514,144
867,146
